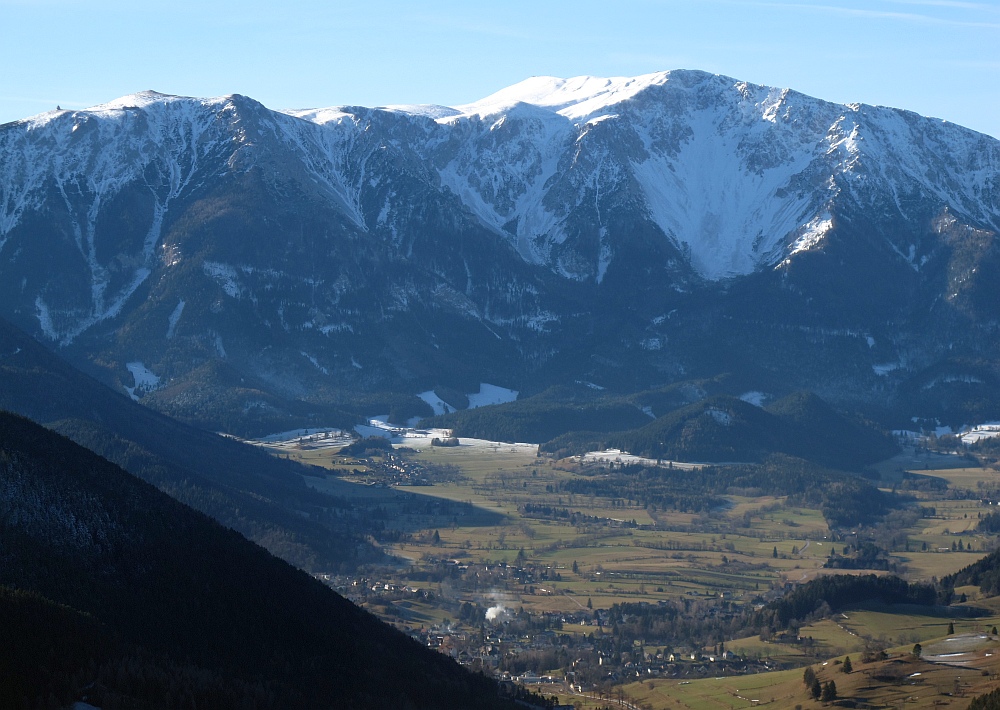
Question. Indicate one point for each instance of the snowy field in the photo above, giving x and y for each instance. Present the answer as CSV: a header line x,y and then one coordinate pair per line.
x,y
488,394
144,380
619,456
980,432
417,438
322,438
966,434
491,394
420,438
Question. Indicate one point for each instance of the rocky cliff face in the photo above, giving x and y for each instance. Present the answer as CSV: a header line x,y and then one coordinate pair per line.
x,y
628,230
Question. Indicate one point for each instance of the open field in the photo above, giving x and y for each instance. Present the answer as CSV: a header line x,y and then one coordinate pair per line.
x,y
967,477
925,566
899,629
927,462
952,671
778,689
615,560
509,531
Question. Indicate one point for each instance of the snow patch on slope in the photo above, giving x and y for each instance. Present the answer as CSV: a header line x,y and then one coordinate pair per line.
x,y
722,417
883,369
143,379
989,430
224,275
755,398
436,403
315,363
174,319
491,394
812,233
732,219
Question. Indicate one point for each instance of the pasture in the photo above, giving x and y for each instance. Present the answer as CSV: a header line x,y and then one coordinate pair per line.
x,y
591,551
744,549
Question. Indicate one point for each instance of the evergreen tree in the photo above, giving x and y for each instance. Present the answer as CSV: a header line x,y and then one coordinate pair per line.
x,y
951,628
848,666
918,650
808,677
990,701
829,692
815,690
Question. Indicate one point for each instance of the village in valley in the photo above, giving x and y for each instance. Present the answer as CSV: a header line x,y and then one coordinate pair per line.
x,y
516,565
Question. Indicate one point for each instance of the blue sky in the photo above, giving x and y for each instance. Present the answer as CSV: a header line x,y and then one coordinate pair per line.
x,y
937,57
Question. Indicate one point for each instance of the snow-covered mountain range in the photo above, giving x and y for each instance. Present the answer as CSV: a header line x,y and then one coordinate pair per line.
x,y
379,246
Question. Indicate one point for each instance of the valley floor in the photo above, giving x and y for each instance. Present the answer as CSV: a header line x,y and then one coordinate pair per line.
x,y
501,565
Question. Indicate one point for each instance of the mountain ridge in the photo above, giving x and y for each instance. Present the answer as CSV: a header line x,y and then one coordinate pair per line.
x,y
846,127
300,246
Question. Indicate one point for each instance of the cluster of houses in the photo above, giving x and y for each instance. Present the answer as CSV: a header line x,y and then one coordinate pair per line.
x,y
486,652
492,638
393,470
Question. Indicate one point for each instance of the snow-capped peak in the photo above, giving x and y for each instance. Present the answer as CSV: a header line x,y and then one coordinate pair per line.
x,y
735,177
140,99
320,116
578,98
429,110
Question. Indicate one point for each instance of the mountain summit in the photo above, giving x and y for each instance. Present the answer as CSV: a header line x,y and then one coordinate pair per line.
x,y
737,177
403,246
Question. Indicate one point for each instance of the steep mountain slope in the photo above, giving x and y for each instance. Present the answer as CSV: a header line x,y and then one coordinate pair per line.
x,y
150,604
737,176
260,496
619,230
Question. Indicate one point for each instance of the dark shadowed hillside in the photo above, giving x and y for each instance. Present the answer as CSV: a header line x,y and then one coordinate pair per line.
x,y
722,428
244,488
111,591
729,429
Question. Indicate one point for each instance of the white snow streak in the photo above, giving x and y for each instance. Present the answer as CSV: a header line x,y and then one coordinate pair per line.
x,y
738,177
175,317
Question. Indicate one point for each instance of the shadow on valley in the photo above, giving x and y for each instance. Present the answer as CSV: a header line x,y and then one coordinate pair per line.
x,y
259,495
398,510
114,594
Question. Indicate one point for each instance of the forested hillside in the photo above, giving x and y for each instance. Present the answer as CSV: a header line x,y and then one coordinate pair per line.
x,y
111,591
244,488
